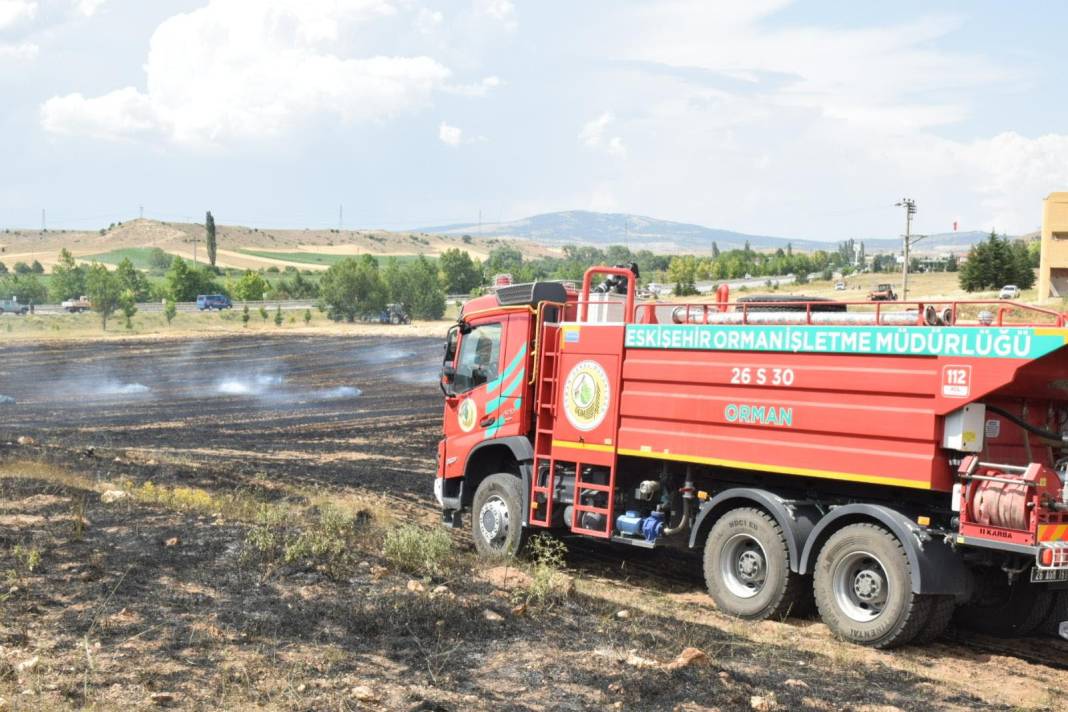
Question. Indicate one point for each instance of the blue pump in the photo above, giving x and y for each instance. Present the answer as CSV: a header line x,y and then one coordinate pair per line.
x,y
632,523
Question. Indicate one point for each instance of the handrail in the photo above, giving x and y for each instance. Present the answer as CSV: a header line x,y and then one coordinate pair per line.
x,y
587,280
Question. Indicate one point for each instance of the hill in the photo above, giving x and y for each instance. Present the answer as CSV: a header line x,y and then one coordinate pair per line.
x,y
601,229
239,246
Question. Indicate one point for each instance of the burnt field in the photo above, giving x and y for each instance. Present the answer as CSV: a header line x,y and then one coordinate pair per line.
x,y
361,411
207,523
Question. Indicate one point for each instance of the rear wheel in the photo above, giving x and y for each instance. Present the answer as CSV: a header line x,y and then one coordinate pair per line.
x,y
747,567
497,521
942,609
863,587
1004,610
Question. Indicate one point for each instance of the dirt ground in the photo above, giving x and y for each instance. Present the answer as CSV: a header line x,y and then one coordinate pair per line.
x,y
142,481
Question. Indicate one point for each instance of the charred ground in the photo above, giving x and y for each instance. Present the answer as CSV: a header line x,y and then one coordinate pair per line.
x,y
152,600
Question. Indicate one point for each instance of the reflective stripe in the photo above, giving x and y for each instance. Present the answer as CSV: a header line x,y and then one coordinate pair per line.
x,y
496,382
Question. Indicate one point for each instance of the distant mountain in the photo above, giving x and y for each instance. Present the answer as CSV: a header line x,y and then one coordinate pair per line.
x,y
601,229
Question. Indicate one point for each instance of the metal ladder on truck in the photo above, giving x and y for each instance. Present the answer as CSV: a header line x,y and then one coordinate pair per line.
x,y
543,480
544,476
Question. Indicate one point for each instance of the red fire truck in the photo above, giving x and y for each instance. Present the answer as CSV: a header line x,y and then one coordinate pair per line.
x,y
896,464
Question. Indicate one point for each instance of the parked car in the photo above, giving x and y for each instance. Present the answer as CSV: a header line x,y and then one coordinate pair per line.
x,y
883,293
839,286
213,301
12,306
1009,291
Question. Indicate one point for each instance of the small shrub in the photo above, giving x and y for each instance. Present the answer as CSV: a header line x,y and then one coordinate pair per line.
x,y
307,317
28,557
549,584
245,316
278,316
263,312
418,550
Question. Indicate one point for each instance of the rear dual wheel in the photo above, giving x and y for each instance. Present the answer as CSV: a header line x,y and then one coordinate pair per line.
x,y
1006,611
863,588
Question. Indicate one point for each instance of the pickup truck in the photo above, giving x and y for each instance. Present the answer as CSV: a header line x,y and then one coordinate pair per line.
x,y
74,306
11,306
882,293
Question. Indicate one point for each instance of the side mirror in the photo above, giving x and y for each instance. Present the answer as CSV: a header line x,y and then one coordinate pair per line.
x,y
448,375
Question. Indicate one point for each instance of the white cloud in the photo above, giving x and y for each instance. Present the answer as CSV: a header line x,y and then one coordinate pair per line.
x,y
450,135
428,21
21,52
89,7
481,88
253,70
502,11
594,135
15,11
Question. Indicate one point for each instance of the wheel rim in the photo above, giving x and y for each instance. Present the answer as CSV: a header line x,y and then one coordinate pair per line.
x,y
861,586
493,522
743,566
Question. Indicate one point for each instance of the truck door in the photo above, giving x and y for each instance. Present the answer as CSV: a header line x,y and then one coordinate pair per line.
x,y
471,408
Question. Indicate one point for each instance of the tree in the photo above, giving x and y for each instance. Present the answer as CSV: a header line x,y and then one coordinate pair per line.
x,y
170,310
37,267
715,250
352,287
263,312
185,283
952,264
995,262
128,304
68,278
209,229
459,274
251,287
245,316
416,286
307,316
25,288
683,272
3,268
158,259
504,259
104,292
131,280
23,268
278,315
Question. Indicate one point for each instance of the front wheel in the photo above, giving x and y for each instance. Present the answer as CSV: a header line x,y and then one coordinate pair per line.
x,y
863,587
747,567
497,516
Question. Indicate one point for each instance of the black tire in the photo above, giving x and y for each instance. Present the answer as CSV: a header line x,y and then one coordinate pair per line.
x,y
863,587
1058,613
747,567
497,516
942,610
395,320
1005,611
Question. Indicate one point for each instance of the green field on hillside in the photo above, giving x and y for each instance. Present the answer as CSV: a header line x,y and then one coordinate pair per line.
x,y
321,258
140,256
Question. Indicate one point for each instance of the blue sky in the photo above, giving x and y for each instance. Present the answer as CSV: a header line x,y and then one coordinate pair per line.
x,y
801,119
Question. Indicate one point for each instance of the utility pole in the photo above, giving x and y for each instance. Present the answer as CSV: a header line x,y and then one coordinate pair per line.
x,y
44,225
340,217
910,209
141,212
480,222
626,232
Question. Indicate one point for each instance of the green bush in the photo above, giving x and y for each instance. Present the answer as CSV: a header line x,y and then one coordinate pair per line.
x,y
418,550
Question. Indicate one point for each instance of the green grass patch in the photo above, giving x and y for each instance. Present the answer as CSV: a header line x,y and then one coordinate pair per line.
x,y
140,256
321,258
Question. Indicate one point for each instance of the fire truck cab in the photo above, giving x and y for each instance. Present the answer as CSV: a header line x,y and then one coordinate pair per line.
x,y
894,465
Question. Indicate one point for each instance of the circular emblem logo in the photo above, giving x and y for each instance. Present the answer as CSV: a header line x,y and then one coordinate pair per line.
x,y
587,394
466,415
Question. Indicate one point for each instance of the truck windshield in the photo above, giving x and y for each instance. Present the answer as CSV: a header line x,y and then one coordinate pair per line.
x,y
480,353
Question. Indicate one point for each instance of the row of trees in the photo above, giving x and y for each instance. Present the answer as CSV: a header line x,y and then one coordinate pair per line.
x,y
22,268
997,261
358,287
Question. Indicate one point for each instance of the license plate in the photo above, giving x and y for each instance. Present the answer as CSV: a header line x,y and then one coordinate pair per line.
x,y
1048,575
